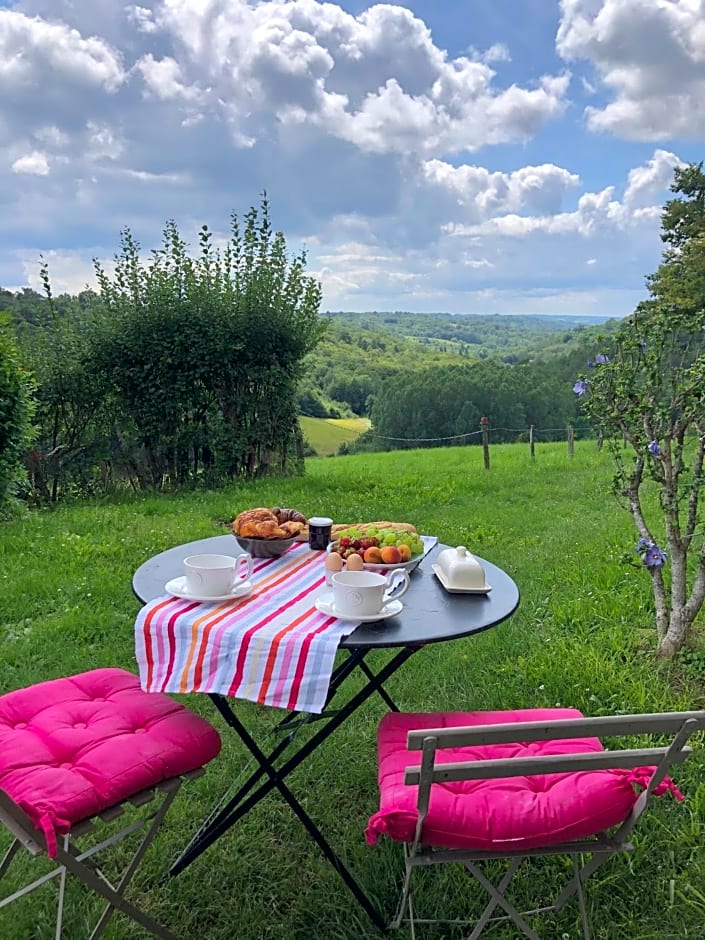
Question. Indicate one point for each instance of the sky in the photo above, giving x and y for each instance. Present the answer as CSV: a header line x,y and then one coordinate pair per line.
x,y
464,156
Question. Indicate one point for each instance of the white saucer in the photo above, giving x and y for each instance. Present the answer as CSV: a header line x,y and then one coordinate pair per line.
x,y
455,590
177,587
325,605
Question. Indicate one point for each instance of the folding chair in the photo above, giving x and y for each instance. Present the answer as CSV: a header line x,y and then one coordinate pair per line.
x,y
511,785
73,753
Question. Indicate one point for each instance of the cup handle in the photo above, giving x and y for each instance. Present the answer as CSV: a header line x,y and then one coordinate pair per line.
x,y
397,584
247,558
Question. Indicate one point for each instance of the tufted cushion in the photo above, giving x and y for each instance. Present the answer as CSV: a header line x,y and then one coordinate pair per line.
x,y
72,747
516,812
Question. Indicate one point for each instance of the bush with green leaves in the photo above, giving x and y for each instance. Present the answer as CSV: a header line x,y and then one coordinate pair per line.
x,y
203,354
16,411
646,397
189,364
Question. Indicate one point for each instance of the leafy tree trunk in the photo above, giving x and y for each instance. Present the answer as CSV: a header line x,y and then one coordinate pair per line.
x,y
649,394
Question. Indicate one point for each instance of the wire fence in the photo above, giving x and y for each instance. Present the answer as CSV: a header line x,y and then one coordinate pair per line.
x,y
487,435
519,432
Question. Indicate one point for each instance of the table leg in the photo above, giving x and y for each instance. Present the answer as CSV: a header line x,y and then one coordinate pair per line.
x,y
241,804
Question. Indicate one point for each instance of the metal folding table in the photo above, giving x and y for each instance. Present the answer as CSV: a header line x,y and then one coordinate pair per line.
x,y
430,615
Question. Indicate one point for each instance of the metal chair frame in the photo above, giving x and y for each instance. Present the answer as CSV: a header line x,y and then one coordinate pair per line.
x,y
81,864
679,725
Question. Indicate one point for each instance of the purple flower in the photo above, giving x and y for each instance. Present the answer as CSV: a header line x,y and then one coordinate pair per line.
x,y
654,449
580,387
601,359
651,555
654,557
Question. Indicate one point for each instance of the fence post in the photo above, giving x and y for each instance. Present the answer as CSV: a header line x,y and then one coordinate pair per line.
x,y
531,441
484,424
570,434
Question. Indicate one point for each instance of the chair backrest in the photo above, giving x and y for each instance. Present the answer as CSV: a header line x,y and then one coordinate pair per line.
x,y
677,725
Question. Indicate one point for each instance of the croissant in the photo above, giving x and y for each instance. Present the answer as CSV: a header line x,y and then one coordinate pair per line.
x,y
293,527
262,523
288,515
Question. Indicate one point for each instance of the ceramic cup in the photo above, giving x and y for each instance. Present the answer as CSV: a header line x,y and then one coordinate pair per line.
x,y
319,528
215,575
364,593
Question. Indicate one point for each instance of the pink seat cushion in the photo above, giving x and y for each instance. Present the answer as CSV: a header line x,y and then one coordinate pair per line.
x,y
72,747
517,812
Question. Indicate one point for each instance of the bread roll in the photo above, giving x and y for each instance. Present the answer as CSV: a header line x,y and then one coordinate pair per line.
x,y
362,526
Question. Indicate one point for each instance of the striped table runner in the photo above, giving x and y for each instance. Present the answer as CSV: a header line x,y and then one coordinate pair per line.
x,y
272,647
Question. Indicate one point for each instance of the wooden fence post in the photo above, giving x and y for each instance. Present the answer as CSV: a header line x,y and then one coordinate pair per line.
x,y
484,424
531,441
570,434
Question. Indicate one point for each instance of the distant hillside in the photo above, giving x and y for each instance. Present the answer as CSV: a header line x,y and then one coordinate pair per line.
x,y
554,321
361,353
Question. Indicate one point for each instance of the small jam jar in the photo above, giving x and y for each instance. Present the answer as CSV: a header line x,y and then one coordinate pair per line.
x,y
319,528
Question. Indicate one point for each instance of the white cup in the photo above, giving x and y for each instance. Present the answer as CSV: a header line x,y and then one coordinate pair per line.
x,y
216,575
365,593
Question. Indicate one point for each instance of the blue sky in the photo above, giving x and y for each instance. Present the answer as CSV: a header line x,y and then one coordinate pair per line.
x,y
471,156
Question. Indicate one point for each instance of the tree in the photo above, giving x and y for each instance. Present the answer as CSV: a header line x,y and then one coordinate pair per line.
x,y
649,394
16,410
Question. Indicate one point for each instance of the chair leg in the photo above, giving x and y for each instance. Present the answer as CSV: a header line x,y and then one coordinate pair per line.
x,y
581,896
405,899
81,863
598,859
62,892
503,885
156,822
9,855
115,900
499,899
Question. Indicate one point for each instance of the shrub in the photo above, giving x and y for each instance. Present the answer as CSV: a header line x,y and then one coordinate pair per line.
x,y
16,411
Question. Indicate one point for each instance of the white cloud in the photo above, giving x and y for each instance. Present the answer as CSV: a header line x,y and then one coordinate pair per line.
x,y
376,80
650,57
33,51
163,78
375,138
34,164
595,213
539,188
649,181
102,142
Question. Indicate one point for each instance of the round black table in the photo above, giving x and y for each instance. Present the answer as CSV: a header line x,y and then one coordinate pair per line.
x,y
430,615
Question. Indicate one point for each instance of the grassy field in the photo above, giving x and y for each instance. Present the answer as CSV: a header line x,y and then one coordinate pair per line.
x,y
582,636
326,435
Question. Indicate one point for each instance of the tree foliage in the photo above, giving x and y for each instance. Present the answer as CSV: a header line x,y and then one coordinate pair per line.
x,y
650,394
16,410
442,406
182,368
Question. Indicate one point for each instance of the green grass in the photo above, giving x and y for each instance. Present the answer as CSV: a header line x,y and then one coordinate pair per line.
x,y
326,435
582,636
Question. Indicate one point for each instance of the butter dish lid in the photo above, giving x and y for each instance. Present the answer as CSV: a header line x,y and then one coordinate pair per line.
x,y
461,571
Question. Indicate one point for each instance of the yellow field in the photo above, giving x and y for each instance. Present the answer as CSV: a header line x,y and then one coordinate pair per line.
x,y
327,434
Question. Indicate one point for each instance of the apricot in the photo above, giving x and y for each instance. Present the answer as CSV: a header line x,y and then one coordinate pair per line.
x,y
390,555
373,556
404,551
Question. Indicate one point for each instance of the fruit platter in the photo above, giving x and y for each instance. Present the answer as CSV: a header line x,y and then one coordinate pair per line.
x,y
378,549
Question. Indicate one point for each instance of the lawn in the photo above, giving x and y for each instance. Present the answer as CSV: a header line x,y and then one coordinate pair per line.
x,y
582,637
